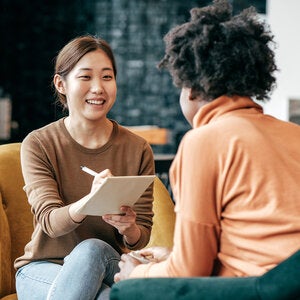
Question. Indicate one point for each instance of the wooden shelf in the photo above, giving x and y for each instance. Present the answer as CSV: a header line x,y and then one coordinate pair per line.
x,y
152,134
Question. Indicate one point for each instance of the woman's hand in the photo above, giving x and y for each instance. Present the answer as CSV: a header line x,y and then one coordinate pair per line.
x,y
125,224
128,262
97,181
99,178
155,254
126,265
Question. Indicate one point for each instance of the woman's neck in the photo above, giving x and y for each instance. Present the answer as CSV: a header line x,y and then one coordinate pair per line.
x,y
90,135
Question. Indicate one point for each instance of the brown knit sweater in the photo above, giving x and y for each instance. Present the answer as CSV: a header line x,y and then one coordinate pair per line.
x,y
51,162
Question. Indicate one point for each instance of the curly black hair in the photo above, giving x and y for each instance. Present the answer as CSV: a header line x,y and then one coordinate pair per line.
x,y
216,53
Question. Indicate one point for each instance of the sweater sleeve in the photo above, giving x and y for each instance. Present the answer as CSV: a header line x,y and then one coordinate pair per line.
x,y
197,227
41,189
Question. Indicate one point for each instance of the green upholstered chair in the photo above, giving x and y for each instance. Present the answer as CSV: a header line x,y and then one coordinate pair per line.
x,y
280,283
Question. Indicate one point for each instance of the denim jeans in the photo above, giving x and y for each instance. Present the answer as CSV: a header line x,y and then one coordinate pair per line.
x,y
87,274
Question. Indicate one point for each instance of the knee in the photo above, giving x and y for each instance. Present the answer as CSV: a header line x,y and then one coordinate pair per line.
x,y
92,254
95,248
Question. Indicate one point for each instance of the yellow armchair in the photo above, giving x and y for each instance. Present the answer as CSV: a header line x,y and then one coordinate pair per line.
x,y
16,223
15,217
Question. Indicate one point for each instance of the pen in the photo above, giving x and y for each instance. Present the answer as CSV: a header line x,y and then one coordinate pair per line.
x,y
89,171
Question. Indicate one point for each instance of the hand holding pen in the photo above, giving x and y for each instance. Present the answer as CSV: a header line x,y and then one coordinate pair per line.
x,y
104,173
99,177
125,223
98,180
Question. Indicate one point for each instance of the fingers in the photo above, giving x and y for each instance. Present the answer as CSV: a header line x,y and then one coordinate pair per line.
x,y
125,224
140,257
128,260
105,173
126,265
99,179
158,253
128,211
146,252
101,176
127,216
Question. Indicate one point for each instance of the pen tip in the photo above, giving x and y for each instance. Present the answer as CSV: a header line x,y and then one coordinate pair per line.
x,y
81,167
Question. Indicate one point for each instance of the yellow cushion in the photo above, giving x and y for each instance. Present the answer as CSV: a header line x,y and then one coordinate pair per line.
x,y
164,217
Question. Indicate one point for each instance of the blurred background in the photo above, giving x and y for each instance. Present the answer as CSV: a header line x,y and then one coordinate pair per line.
x,y
32,33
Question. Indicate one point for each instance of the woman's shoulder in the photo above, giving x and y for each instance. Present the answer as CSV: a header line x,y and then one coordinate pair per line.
x,y
125,133
45,133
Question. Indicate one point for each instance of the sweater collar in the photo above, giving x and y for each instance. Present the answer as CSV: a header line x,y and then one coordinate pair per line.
x,y
223,105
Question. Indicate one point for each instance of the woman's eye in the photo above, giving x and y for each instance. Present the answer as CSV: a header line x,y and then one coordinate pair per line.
x,y
107,77
85,77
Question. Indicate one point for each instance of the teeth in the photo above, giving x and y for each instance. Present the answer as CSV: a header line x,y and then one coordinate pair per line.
x,y
97,102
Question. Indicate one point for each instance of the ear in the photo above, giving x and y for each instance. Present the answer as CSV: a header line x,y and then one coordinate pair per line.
x,y
192,95
59,84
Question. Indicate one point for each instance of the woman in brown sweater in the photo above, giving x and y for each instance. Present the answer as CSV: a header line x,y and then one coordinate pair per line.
x,y
70,255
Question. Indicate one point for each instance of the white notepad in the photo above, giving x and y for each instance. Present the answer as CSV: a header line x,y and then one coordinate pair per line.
x,y
113,193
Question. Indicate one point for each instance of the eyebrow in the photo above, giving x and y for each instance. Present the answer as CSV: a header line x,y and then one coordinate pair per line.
x,y
89,69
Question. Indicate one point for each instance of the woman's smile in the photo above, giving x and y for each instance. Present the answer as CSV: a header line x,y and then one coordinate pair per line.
x,y
95,102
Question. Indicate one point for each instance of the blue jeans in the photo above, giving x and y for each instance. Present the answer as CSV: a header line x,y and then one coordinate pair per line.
x,y
87,274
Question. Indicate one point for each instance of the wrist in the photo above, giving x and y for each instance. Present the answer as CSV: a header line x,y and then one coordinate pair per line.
x,y
77,218
133,237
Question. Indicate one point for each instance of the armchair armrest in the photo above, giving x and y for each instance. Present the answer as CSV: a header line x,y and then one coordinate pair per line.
x,y
5,253
196,288
280,283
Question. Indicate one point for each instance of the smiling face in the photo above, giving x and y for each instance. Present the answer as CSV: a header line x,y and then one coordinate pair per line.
x,y
90,87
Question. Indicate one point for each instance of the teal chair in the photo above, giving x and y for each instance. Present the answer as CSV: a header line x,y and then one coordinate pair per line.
x,y
280,283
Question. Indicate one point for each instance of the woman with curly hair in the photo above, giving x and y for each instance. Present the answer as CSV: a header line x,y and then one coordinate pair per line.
x,y
236,174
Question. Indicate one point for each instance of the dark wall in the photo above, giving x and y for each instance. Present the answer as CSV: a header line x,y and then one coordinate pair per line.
x,y
32,32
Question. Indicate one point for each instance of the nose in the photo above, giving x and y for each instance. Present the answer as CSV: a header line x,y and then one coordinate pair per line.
x,y
97,87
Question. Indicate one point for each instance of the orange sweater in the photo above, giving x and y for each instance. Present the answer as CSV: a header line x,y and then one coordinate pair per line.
x,y
235,180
